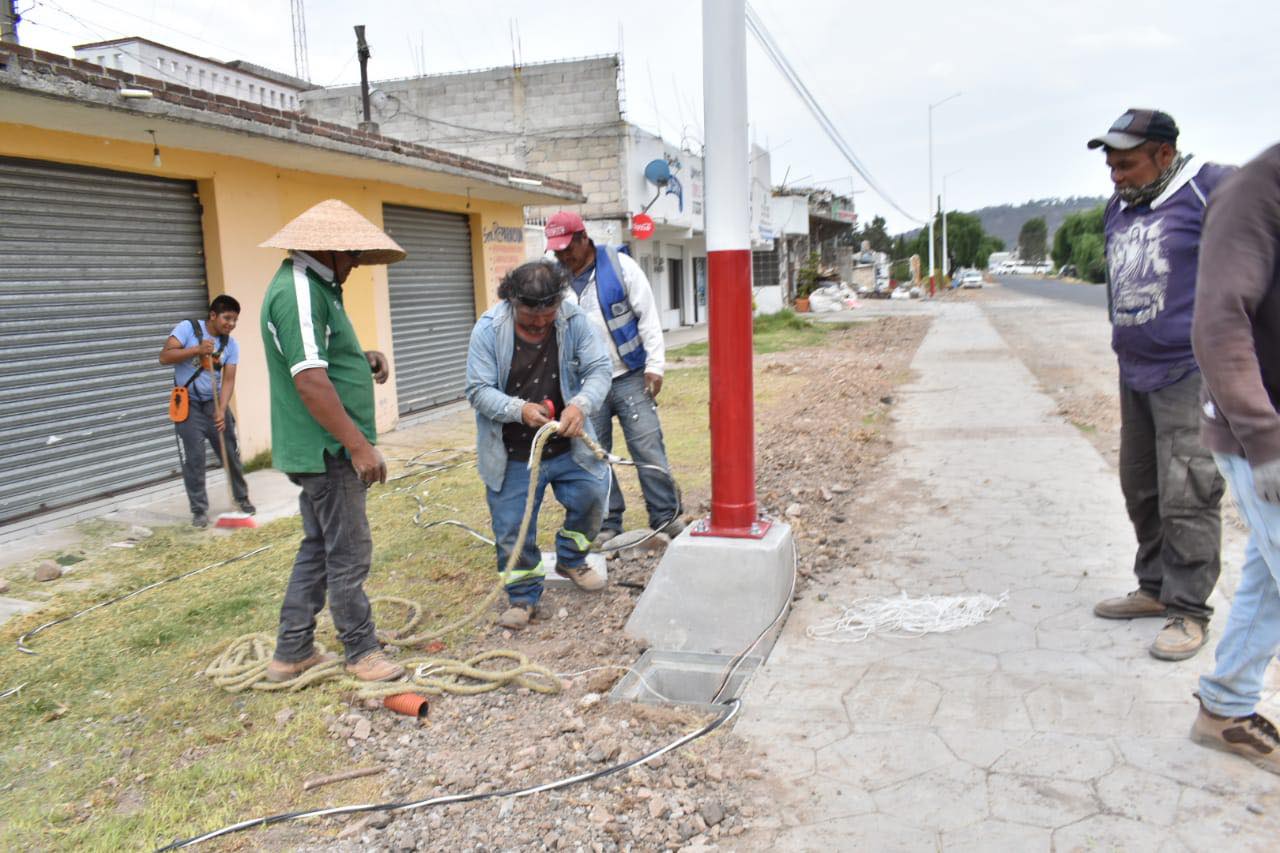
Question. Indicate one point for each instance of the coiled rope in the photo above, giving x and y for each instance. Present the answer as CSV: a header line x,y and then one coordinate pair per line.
x,y
243,664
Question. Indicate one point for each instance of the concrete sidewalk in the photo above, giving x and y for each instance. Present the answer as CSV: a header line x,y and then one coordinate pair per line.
x,y
1044,728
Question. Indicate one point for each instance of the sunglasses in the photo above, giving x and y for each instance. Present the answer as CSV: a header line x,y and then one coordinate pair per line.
x,y
539,301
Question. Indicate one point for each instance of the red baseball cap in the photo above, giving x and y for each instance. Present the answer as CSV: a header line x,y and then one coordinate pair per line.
x,y
560,229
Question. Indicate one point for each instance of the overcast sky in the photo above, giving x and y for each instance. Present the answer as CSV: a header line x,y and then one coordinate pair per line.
x,y
1038,79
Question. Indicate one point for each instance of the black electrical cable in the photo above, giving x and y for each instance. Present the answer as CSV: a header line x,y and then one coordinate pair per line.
x,y
22,641
728,711
742,655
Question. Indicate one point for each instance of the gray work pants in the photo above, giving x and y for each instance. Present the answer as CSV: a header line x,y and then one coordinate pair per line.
x,y
333,558
198,428
1172,489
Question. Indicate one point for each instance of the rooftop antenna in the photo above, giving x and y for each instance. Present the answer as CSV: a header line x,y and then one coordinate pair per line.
x,y
298,14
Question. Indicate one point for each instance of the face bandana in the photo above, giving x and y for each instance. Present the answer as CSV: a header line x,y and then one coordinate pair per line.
x,y
1145,195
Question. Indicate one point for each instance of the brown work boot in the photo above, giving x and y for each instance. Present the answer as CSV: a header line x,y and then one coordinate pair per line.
x,y
279,670
375,666
1254,737
517,616
1180,638
583,577
1136,605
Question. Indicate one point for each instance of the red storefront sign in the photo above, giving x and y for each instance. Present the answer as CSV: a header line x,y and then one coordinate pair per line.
x,y
642,226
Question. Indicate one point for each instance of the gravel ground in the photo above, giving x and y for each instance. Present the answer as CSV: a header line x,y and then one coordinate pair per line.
x,y
815,446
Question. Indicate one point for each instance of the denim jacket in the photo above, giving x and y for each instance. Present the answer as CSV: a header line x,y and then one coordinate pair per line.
x,y
586,373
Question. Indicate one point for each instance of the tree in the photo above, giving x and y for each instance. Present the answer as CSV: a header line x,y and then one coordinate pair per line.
x,y
901,248
1032,239
1089,255
964,236
877,234
967,242
988,245
1073,228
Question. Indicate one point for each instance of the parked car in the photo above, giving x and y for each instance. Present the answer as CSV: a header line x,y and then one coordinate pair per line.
x,y
971,279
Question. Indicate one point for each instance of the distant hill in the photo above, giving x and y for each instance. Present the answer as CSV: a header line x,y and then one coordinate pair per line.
x,y
1005,220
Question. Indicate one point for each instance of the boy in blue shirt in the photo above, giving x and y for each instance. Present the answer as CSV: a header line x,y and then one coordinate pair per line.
x,y
189,343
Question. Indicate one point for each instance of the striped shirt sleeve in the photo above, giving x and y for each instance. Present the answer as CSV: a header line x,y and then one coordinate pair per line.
x,y
298,326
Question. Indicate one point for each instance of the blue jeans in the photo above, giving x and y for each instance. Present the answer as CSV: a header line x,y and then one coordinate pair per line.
x,y
1252,635
577,489
332,560
641,429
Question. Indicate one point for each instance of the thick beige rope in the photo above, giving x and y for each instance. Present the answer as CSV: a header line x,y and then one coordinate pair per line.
x,y
243,664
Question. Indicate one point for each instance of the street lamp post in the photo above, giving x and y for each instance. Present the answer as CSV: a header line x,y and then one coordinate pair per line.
x,y
931,199
946,257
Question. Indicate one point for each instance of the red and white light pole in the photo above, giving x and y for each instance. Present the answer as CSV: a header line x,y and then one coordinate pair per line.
x,y
728,230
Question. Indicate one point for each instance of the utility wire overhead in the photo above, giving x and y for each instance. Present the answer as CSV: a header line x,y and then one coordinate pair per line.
x,y
228,50
779,59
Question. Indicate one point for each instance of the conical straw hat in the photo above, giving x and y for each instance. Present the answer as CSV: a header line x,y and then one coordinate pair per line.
x,y
334,226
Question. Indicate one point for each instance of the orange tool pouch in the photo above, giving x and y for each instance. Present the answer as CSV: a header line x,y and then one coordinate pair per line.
x,y
179,404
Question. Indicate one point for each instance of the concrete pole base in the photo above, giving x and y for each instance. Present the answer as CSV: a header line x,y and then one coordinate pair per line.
x,y
715,595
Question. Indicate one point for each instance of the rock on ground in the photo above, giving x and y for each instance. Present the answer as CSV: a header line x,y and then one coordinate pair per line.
x,y
699,797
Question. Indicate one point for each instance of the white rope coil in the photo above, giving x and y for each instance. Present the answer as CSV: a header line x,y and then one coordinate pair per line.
x,y
902,616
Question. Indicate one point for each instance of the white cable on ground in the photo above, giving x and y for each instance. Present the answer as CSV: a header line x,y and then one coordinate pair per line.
x,y
902,616
635,672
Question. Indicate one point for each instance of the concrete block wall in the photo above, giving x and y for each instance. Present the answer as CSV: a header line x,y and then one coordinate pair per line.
x,y
560,119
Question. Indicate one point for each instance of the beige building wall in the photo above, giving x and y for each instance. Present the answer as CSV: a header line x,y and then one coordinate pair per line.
x,y
244,202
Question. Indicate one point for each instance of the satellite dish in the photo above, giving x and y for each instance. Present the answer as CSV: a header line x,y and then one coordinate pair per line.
x,y
657,172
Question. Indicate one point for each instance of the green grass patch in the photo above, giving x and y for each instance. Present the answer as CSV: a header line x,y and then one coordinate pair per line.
x,y
783,330
258,462
119,742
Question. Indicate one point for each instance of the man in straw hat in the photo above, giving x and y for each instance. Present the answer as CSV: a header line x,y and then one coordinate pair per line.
x,y
535,358
323,433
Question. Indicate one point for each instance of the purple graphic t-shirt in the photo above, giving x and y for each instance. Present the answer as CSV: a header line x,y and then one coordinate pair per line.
x,y
1152,252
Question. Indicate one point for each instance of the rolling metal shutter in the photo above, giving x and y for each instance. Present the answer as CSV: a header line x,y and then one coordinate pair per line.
x,y
95,268
433,305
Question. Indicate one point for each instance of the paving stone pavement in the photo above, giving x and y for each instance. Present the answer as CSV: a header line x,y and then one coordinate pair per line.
x,y
1043,728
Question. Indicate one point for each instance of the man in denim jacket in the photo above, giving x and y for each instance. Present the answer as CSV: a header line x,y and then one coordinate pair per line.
x,y
534,358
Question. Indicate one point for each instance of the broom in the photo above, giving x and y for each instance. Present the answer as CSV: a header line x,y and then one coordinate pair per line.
x,y
227,519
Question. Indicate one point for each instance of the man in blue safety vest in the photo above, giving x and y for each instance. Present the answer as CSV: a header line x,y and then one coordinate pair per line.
x,y
615,294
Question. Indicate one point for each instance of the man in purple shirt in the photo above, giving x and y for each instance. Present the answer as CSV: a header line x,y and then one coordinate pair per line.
x,y
1171,485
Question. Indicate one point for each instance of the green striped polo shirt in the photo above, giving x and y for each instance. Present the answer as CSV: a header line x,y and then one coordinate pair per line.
x,y
304,326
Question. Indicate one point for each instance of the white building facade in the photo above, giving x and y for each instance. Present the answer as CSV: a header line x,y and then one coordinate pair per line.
x,y
240,80
565,119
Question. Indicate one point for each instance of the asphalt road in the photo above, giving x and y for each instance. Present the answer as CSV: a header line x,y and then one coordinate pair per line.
x,y
1052,288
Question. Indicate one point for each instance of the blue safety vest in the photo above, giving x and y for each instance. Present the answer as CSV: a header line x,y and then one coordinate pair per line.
x,y
621,320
